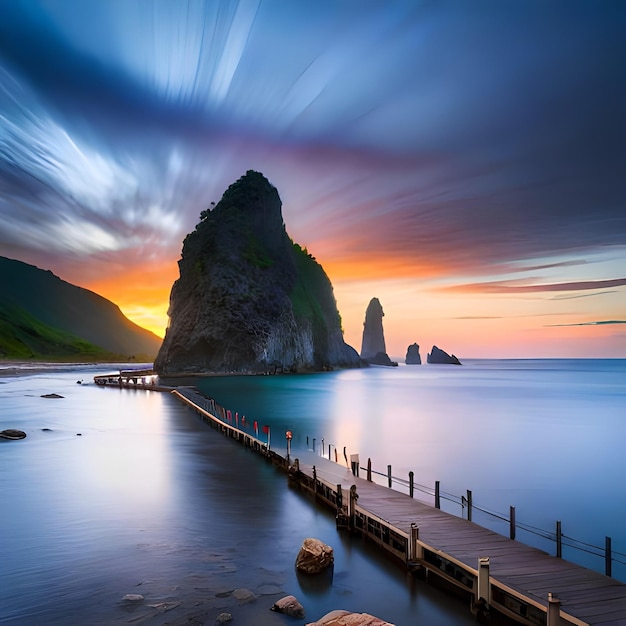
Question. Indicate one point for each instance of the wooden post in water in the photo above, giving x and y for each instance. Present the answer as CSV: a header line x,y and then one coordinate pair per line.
x,y
437,499
389,476
369,469
559,540
512,522
554,610
352,507
411,484
608,559
413,548
314,483
483,588
469,505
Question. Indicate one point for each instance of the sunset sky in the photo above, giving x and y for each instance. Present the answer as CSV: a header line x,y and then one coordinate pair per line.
x,y
463,162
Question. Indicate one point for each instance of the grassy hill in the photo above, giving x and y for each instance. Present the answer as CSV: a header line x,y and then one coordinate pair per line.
x,y
44,317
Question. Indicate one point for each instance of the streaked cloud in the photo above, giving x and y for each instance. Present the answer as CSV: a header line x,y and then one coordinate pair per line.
x,y
461,149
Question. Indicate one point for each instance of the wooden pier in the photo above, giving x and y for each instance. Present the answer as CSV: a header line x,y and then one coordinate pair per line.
x,y
498,575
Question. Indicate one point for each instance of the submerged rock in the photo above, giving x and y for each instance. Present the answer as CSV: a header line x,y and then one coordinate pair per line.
x,y
12,433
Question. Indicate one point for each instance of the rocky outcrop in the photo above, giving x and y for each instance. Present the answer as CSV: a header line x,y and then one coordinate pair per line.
x,y
438,356
248,298
373,336
413,355
314,557
346,618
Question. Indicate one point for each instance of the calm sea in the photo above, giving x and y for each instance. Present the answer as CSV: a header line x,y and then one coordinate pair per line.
x,y
119,491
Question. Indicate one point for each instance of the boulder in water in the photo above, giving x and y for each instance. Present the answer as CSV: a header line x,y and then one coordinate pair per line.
x,y
314,557
12,433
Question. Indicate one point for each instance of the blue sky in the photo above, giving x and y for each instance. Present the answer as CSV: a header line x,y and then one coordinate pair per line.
x,y
462,161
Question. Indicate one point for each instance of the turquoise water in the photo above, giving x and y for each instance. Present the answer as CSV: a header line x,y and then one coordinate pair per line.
x,y
545,436
117,492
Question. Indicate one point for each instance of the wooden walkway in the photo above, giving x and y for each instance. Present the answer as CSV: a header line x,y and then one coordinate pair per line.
x,y
520,582
521,578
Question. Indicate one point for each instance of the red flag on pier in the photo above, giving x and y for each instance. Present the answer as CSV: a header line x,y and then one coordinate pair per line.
x,y
229,416
266,429
256,428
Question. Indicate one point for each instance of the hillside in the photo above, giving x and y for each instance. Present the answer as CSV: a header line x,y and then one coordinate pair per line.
x,y
42,316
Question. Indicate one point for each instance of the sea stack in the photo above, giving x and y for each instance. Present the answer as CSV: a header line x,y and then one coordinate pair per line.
x,y
373,348
438,356
249,299
413,355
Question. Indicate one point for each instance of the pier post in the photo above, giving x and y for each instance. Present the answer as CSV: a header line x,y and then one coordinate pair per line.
x,y
369,470
559,540
389,476
512,522
554,610
469,505
354,462
483,589
352,508
411,484
437,499
414,553
339,499
314,483
608,559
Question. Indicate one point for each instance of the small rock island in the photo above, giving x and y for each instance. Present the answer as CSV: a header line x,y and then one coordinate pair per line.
x,y
440,357
373,349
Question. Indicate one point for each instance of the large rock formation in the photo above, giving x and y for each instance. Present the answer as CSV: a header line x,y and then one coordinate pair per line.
x,y
440,357
413,355
373,348
248,298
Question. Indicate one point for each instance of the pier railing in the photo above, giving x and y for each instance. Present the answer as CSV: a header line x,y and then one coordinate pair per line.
x,y
468,510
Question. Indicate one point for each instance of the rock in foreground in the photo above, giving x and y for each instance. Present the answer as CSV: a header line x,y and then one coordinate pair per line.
x,y
345,618
248,298
289,605
314,557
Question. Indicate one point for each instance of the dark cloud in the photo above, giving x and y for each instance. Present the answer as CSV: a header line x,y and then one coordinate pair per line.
x,y
471,135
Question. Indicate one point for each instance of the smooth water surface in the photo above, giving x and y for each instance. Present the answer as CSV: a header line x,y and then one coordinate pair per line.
x,y
117,492
545,436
